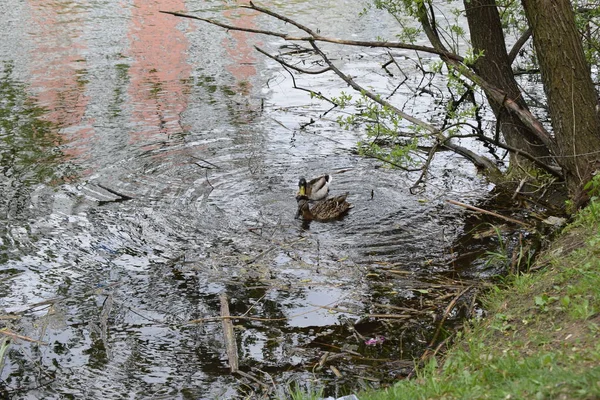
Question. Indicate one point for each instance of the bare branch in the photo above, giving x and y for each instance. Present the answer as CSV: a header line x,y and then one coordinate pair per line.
x,y
283,62
423,175
519,45
280,17
227,26
313,35
552,170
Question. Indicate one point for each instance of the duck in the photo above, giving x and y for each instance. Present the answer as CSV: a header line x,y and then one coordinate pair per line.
x,y
315,189
326,210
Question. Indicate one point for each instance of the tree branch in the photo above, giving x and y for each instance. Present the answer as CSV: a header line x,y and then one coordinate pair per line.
x,y
423,175
524,115
476,159
438,48
283,62
519,45
552,170
313,35
372,96
227,26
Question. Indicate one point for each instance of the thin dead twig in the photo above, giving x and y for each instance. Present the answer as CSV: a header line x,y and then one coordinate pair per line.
x,y
313,35
252,378
284,63
481,210
7,332
121,196
447,311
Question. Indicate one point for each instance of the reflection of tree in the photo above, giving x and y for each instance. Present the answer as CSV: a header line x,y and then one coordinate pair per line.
x,y
254,298
29,145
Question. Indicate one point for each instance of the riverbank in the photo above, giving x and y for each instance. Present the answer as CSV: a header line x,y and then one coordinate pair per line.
x,y
539,339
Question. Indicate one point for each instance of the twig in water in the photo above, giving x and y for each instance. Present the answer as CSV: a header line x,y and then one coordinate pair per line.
x,y
447,311
122,197
481,210
230,343
252,306
207,162
252,378
14,335
336,371
209,184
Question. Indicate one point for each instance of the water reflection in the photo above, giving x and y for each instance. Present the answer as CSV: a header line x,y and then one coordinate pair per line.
x,y
240,49
59,71
158,88
119,298
30,154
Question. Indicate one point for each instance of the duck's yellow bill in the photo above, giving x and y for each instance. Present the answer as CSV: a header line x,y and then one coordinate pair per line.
x,y
302,191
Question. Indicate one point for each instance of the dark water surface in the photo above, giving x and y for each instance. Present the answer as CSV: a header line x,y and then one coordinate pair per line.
x,y
106,99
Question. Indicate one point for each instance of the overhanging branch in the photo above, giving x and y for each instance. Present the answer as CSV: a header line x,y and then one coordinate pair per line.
x,y
283,62
313,35
450,58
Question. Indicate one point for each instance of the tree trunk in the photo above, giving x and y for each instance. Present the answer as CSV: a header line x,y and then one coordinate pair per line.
x,y
572,99
495,66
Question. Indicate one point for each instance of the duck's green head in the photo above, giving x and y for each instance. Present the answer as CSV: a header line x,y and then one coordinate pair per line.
x,y
302,187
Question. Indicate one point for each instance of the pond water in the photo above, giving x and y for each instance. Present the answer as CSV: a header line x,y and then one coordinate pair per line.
x,y
149,165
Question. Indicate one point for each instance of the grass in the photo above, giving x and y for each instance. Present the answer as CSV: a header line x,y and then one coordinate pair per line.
x,y
539,339
296,393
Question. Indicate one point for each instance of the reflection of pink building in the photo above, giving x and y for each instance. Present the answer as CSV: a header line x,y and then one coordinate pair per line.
x,y
58,73
158,85
239,47
159,70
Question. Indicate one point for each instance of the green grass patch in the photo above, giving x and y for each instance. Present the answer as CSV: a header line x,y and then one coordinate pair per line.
x,y
539,338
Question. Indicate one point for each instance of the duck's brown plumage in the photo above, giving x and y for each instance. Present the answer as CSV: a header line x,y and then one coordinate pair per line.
x,y
326,210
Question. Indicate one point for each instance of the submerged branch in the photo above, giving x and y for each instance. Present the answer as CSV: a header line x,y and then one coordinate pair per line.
x,y
13,335
229,335
482,211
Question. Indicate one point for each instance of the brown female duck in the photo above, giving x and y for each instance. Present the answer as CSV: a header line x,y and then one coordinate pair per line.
x,y
326,210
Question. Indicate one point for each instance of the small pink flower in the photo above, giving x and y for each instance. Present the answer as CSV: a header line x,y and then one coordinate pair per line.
x,y
375,341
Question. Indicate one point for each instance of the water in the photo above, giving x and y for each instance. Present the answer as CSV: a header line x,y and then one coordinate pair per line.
x,y
149,164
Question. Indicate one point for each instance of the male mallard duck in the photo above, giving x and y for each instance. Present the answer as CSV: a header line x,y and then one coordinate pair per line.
x,y
315,189
326,210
